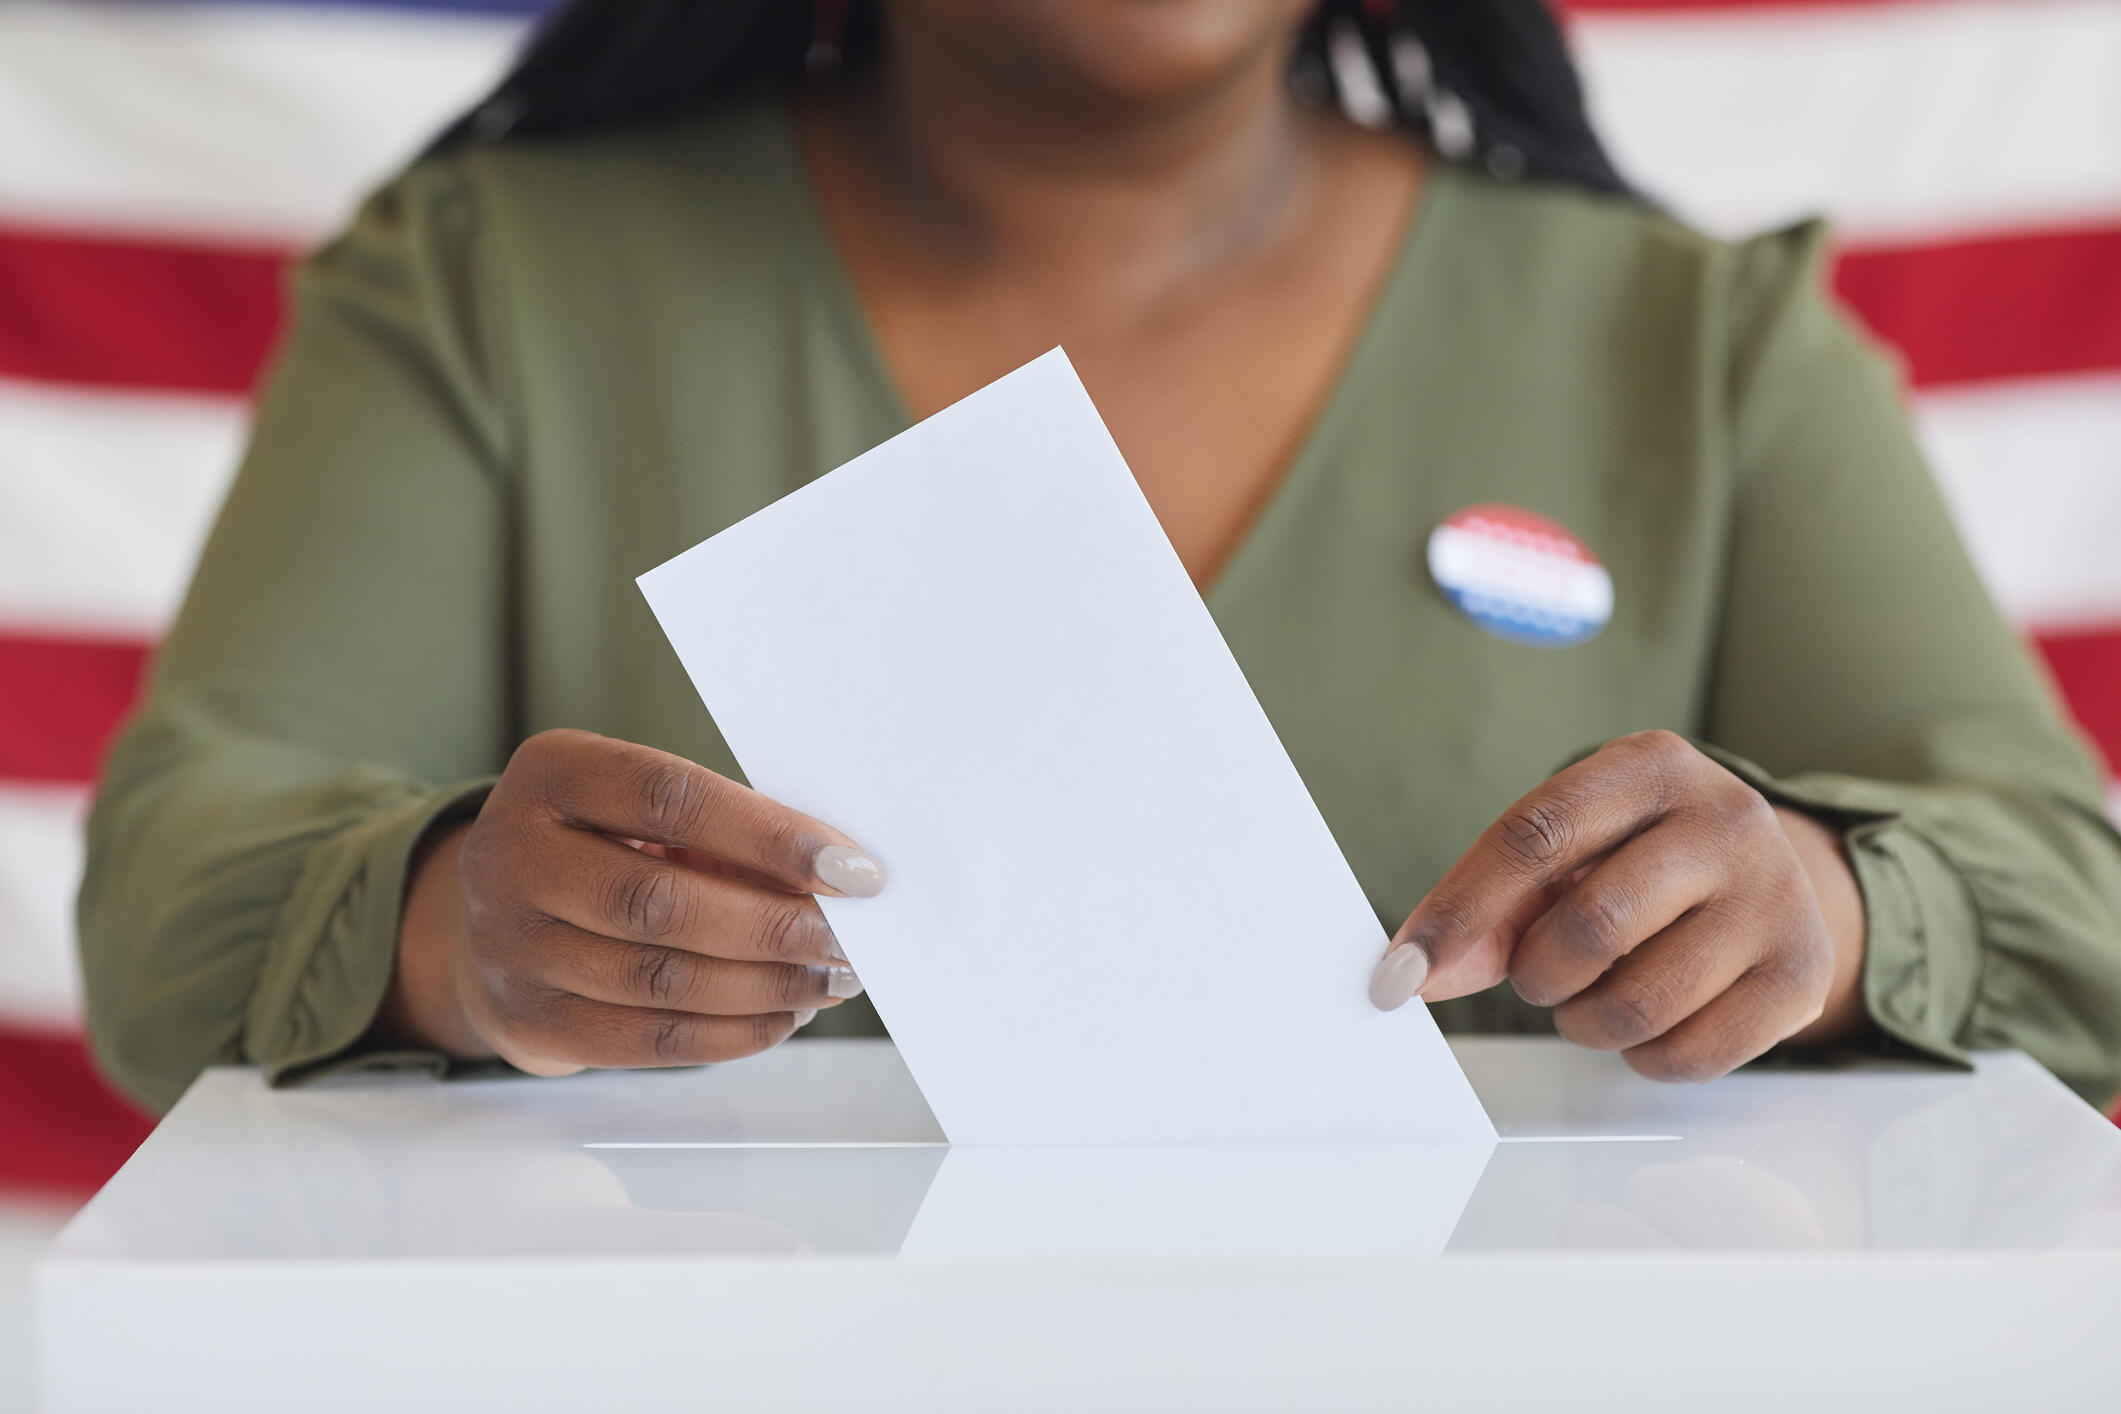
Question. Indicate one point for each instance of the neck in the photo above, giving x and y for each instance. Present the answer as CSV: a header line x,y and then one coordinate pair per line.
x,y
1001,168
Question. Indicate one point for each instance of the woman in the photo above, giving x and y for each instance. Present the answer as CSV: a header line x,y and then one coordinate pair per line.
x,y
418,780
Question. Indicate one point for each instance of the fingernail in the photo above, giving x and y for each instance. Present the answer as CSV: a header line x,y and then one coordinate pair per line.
x,y
849,871
841,984
1398,977
837,953
804,1018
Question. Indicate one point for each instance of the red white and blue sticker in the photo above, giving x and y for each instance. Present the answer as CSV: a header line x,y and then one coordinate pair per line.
x,y
1521,576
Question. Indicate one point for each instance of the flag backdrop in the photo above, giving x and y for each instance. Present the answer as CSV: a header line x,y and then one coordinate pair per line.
x,y
160,160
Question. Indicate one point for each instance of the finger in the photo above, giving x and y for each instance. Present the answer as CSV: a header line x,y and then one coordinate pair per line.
x,y
559,1033
1478,967
1771,1002
602,886
1567,822
1487,961
670,979
630,791
1660,983
705,863
1633,895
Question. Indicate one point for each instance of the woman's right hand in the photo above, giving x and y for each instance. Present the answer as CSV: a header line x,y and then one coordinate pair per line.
x,y
614,905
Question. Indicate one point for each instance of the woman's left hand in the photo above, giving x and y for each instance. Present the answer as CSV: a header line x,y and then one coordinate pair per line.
x,y
1659,904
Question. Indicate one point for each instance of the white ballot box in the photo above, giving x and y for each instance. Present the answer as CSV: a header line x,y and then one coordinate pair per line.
x,y
790,1232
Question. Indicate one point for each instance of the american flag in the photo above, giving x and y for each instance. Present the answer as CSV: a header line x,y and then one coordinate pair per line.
x,y
161,161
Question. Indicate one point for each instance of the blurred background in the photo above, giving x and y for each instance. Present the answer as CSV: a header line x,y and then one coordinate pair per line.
x,y
162,160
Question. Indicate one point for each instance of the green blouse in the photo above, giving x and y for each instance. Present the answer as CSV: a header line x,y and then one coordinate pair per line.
x,y
531,370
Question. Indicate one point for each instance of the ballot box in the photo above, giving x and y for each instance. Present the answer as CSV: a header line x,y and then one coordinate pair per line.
x,y
792,1232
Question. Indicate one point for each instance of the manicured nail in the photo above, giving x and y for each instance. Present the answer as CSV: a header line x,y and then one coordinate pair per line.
x,y
841,984
847,870
1398,977
837,953
804,1018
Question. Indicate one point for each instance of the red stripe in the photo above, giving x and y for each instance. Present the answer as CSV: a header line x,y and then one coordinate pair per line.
x,y
60,699
66,1130
2087,665
2012,306
126,313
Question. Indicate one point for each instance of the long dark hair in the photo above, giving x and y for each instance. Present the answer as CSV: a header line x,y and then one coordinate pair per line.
x,y
1486,81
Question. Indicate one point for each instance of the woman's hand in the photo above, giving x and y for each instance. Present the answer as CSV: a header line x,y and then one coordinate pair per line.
x,y
1659,904
614,905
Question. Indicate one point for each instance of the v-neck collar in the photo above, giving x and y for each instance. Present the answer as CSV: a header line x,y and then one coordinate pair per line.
x,y
1439,181
1314,451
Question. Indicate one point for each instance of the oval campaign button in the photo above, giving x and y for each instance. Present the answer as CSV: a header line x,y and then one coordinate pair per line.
x,y
1521,576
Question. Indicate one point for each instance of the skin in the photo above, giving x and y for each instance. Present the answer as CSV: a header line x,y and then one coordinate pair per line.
x,y
1207,251
1132,179
614,905
1660,906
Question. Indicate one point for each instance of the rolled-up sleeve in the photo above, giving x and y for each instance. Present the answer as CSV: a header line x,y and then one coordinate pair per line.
x,y
335,683
1864,674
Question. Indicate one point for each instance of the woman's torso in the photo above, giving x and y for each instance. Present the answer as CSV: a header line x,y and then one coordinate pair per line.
x,y
681,346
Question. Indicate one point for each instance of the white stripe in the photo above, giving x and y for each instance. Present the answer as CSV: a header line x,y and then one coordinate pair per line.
x,y
782,1144
1901,120
105,499
40,868
255,121
1898,120
1585,1138
2033,474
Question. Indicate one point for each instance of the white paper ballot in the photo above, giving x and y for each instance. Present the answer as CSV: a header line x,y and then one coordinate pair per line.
x,y
1114,914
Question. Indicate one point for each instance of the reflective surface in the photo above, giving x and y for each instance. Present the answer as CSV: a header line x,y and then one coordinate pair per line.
x,y
826,1148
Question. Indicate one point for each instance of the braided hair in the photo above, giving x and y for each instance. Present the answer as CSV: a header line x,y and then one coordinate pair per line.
x,y
1486,81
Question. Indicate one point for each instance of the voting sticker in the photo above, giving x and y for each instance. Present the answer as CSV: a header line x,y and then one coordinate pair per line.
x,y
1521,576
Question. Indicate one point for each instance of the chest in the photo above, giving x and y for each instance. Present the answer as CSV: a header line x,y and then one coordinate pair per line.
x,y
1210,375
1210,402
1411,725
